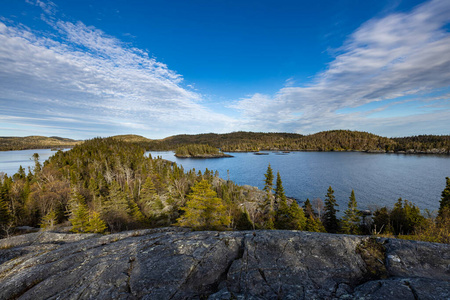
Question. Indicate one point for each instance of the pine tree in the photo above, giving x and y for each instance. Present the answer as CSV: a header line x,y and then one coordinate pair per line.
x,y
95,224
5,214
244,222
445,200
314,225
268,205
79,213
308,209
268,182
330,220
204,210
116,209
279,190
351,219
49,220
297,217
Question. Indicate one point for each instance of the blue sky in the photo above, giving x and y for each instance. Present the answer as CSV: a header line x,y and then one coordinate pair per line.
x,y
82,69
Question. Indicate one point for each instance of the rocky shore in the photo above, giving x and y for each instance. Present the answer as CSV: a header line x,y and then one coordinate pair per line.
x,y
173,263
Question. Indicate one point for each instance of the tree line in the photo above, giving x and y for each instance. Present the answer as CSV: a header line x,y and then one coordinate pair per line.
x,y
334,140
106,185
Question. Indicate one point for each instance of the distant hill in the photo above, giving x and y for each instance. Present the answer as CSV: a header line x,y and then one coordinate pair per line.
x,y
35,142
332,140
131,138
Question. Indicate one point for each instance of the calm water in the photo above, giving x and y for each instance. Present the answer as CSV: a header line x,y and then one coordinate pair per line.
x,y
378,179
10,161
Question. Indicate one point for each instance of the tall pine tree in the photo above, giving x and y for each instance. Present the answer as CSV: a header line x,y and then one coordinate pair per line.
x,y
330,220
351,219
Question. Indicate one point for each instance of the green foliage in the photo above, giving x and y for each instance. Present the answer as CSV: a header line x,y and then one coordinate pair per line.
x,y
268,181
330,220
290,217
351,219
314,225
197,150
279,190
244,222
445,197
79,213
49,220
95,224
204,210
308,209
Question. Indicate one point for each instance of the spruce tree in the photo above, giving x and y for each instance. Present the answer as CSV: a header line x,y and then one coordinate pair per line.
x,y
244,222
95,224
351,219
49,220
445,198
204,210
279,190
314,225
308,209
330,220
268,181
5,215
268,205
79,213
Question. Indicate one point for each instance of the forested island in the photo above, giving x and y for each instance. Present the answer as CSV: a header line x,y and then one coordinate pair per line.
x,y
334,140
108,185
199,151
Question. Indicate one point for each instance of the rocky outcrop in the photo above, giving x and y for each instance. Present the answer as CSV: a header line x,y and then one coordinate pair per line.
x,y
172,263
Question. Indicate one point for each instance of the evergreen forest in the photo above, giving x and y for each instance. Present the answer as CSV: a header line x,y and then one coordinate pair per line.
x,y
108,185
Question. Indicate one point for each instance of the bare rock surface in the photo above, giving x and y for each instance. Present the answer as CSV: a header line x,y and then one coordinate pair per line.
x,y
173,263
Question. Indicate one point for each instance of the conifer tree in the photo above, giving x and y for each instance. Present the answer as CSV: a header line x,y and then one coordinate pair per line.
x,y
49,220
268,205
308,209
279,190
445,197
95,224
351,219
244,222
116,209
5,215
330,220
79,213
314,225
204,210
297,217
268,182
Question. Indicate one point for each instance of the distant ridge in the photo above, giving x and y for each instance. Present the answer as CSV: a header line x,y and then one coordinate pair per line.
x,y
243,141
131,138
35,142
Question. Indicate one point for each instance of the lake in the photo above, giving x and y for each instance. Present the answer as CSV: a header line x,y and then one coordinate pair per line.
x,y
11,160
378,179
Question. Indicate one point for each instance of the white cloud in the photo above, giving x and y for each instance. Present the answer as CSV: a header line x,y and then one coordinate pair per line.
x,y
400,55
82,72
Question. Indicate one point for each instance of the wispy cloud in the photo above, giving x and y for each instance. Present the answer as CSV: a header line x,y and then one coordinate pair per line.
x,y
397,56
80,71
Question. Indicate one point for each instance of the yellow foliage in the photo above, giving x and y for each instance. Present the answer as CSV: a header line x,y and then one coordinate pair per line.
x,y
204,210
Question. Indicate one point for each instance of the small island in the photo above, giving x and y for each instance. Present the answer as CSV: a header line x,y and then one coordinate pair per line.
x,y
199,151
